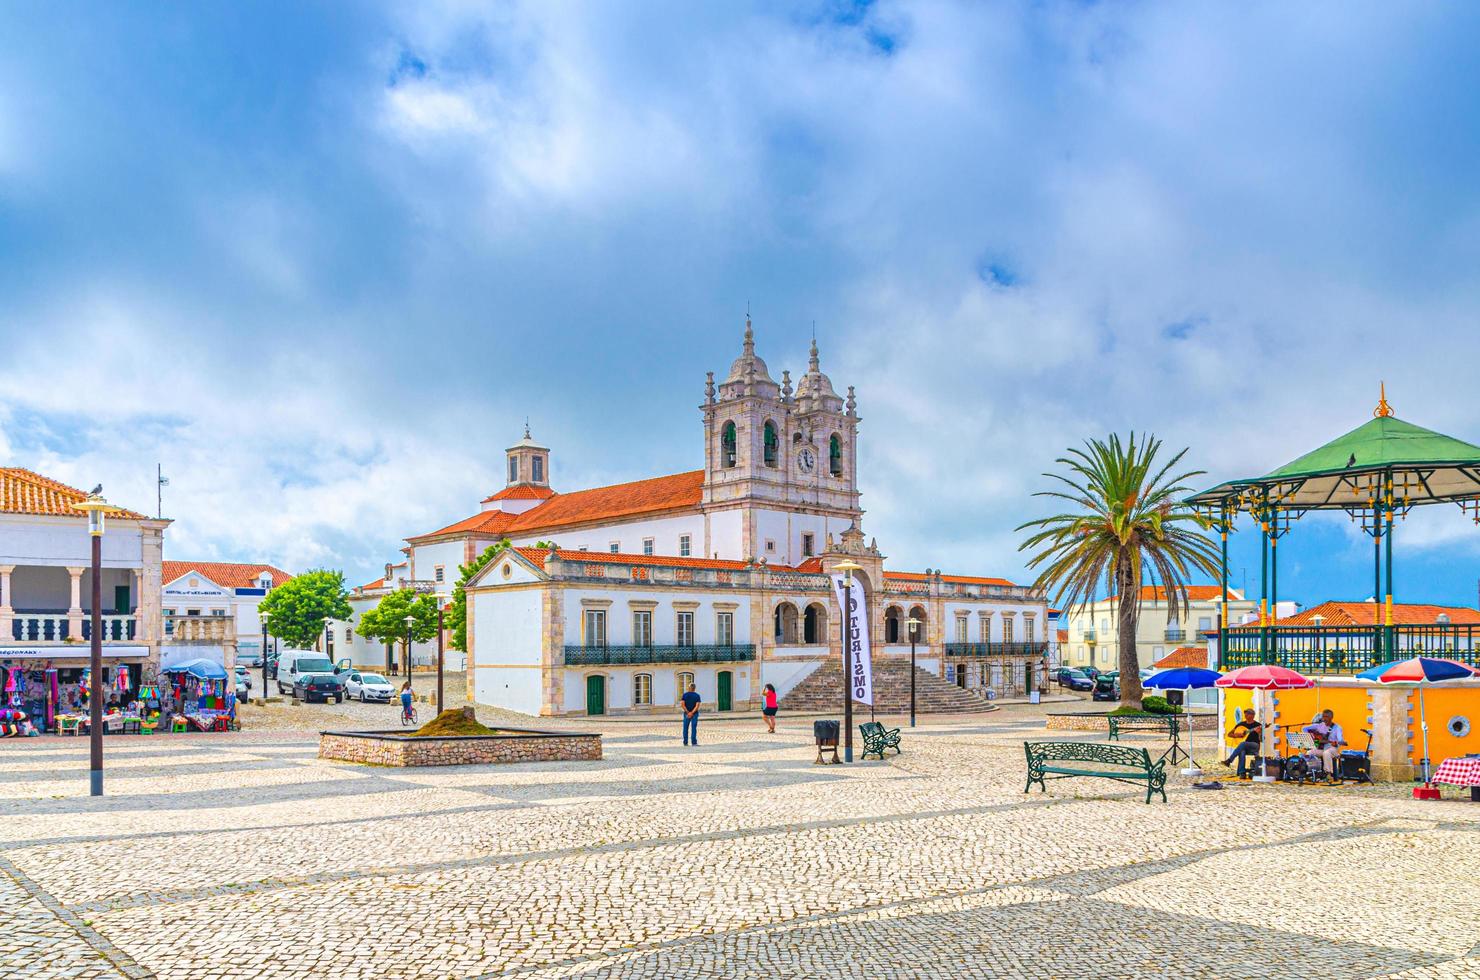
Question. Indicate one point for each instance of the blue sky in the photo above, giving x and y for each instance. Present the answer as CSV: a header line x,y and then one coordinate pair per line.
x,y
321,260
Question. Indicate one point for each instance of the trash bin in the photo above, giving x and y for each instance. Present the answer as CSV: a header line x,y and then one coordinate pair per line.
x,y
826,731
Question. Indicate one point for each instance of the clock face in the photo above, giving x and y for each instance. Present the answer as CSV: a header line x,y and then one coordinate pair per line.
x,y
806,459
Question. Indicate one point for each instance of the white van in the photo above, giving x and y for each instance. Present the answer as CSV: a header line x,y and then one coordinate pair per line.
x,y
293,664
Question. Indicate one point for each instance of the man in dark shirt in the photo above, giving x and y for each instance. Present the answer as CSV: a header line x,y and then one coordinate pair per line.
x,y
1253,733
691,716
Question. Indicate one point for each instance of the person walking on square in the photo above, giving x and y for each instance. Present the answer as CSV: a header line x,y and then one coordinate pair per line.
x,y
691,716
768,709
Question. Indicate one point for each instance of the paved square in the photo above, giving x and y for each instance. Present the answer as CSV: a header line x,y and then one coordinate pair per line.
x,y
245,855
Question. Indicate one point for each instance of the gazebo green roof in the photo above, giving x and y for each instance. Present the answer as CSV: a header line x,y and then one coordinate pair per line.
x,y
1425,467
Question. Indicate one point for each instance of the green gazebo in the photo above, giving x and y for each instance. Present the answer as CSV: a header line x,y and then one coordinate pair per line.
x,y
1376,473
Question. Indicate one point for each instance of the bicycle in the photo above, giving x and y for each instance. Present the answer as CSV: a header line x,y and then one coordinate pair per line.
x,y
408,716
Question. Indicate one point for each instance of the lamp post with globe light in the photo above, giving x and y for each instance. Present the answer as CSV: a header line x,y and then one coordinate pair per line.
x,y
914,625
97,510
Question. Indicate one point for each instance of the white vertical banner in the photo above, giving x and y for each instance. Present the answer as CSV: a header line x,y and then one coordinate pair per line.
x,y
855,634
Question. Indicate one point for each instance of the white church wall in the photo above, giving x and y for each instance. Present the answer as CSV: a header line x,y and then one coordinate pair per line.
x,y
506,631
629,536
35,540
726,536
786,529
426,557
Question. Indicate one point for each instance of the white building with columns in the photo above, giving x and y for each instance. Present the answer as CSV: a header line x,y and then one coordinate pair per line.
x,y
717,576
46,579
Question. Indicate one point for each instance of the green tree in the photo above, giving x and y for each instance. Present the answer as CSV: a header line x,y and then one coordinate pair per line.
x,y
1128,513
457,614
387,621
298,609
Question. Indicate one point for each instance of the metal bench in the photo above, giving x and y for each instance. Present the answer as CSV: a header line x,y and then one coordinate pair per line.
x,y
1170,725
1063,760
877,738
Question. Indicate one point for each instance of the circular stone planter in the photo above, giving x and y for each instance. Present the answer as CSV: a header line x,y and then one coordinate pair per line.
x,y
395,748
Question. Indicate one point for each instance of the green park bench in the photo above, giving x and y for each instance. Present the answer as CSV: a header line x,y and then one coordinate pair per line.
x,y
1169,725
877,738
1062,760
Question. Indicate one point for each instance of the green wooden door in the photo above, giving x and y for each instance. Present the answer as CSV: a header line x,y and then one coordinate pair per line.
x,y
726,685
596,695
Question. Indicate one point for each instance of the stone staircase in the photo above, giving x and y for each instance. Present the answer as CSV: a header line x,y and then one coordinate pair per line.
x,y
822,692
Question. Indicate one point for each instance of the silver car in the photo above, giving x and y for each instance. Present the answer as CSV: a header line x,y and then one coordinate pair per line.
x,y
367,686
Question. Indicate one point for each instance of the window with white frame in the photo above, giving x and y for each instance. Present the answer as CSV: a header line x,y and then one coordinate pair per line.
x,y
218,612
961,629
1007,624
595,628
809,545
685,544
770,544
647,546
685,631
349,634
438,574
724,628
685,681
537,465
615,547
1028,635
642,689
1204,623
642,627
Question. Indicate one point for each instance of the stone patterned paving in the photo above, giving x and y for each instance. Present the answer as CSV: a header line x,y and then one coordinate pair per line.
x,y
244,855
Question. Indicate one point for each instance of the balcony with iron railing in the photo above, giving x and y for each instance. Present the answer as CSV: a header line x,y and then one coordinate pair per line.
x,y
56,627
1017,649
1348,649
1175,634
1088,636
592,656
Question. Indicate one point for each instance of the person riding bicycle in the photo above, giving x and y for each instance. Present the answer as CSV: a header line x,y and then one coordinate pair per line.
x,y
1329,739
407,712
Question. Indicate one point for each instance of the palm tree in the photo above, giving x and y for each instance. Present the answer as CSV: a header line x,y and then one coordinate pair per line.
x,y
1128,513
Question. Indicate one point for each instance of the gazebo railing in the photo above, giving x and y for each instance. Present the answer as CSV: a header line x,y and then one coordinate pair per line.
x,y
1349,649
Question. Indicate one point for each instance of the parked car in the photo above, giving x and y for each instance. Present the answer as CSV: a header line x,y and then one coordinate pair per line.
x,y
318,687
243,684
1074,679
1107,688
294,664
249,659
367,686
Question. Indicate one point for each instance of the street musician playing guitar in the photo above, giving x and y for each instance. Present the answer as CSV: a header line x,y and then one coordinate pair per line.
x,y
1329,739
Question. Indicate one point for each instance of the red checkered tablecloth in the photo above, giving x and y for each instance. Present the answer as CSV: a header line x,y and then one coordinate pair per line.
x,y
1458,772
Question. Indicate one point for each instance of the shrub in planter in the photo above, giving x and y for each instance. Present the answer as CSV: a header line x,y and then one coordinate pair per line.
x,y
1157,705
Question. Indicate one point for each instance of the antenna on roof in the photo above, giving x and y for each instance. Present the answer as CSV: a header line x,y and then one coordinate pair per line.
x,y
526,426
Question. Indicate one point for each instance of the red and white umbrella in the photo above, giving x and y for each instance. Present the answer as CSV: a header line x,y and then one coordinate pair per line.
x,y
1264,677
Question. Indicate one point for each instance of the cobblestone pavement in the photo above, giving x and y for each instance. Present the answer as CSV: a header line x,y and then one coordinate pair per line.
x,y
245,855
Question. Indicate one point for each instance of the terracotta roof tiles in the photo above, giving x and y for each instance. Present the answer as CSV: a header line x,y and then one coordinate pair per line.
x,y
523,491
1184,657
1336,614
25,492
229,574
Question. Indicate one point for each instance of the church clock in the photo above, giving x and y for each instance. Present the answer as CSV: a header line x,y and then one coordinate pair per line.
x,y
806,460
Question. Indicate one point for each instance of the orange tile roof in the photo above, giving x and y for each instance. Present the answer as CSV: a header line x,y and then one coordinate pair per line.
x,y
523,491
957,579
655,495
1195,593
1184,657
25,492
538,556
236,575
1063,637
1334,614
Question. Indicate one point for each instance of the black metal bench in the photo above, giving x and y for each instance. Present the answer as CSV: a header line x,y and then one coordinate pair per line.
x,y
1062,760
877,738
1170,725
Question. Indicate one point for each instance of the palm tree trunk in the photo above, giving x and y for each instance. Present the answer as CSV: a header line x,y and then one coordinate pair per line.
x,y
1130,664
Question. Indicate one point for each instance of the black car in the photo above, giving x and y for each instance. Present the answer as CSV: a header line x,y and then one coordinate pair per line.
x,y
1107,688
1074,679
319,687
1093,673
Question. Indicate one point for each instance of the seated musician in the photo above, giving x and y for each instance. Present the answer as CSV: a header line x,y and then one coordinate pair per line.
x,y
1329,739
1252,733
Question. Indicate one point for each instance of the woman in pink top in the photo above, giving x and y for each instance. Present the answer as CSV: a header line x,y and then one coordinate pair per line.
x,y
769,709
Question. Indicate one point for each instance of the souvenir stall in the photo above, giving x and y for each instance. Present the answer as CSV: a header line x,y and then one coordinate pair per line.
x,y
70,692
202,698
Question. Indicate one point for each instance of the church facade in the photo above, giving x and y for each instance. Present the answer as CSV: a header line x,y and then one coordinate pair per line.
x,y
615,599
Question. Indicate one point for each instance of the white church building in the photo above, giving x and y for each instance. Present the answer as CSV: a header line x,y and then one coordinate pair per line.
x,y
719,576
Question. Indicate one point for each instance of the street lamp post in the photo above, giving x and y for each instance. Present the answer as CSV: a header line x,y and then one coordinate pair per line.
x,y
914,625
410,621
264,618
97,510
439,597
847,567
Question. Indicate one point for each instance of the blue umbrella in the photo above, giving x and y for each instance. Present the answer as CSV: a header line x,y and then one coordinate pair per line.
x,y
1418,672
1183,679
